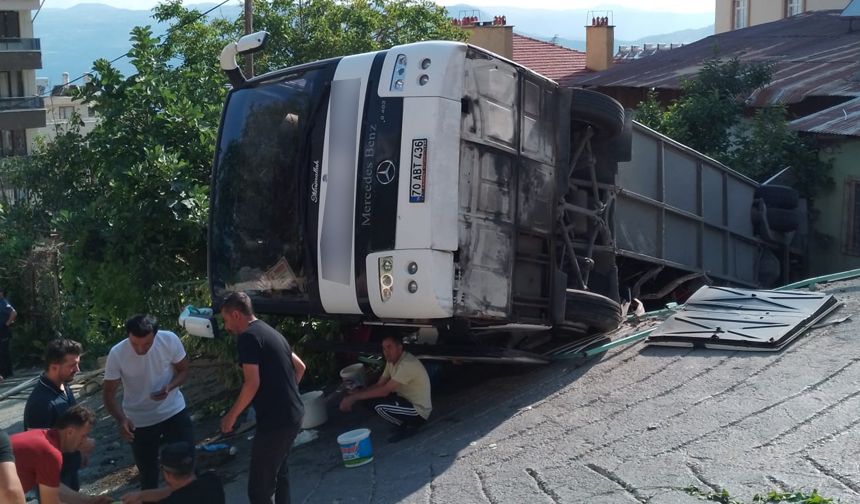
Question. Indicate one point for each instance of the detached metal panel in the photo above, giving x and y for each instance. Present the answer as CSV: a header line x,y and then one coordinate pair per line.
x,y
717,317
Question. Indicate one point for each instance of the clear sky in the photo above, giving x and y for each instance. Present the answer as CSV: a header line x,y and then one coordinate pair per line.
x,y
688,6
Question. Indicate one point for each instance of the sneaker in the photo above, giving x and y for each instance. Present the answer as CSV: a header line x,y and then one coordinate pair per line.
x,y
402,433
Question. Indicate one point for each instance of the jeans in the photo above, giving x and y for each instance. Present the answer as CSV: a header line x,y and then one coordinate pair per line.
x,y
5,356
269,474
147,441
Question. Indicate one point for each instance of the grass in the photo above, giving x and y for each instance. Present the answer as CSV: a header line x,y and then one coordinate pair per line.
x,y
773,496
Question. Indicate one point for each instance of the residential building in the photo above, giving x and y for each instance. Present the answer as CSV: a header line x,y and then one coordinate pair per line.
x,y
62,109
837,130
22,111
736,14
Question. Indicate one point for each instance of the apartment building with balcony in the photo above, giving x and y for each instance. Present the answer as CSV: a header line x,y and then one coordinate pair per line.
x,y
22,110
736,14
64,113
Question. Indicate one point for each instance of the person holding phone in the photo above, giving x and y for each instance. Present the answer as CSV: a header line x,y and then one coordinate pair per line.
x,y
151,364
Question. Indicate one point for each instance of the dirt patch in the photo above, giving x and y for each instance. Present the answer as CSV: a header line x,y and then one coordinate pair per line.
x,y
111,468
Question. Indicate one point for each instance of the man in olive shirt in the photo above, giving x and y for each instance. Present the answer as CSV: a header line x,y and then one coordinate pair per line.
x,y
402,394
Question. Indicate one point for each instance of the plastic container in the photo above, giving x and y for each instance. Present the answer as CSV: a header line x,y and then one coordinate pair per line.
x,y
355,447
315,410
353,376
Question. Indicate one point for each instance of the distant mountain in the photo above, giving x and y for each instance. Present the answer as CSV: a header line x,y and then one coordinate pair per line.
x,y
630,24
72,39
75,37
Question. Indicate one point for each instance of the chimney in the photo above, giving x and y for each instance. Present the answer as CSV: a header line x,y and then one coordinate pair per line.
x,y
599,42
65,78
495,36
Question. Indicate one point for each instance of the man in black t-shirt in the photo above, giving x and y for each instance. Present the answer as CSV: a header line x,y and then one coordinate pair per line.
x,y
11,491
183,486
271,374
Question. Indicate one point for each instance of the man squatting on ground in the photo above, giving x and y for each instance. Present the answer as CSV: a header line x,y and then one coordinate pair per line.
x,y
52,396
271,373
183,485
39,457
151,365
402,394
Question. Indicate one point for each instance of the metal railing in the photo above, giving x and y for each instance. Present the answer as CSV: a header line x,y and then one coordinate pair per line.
x,y
22,103
20,44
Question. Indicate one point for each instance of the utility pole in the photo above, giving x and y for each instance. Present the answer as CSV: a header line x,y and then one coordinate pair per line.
x,y
249,28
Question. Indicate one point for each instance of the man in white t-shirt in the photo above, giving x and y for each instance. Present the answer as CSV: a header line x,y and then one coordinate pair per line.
x,y
151,365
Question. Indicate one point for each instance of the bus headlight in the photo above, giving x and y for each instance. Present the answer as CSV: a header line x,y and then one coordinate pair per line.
x,y
398,75
386,277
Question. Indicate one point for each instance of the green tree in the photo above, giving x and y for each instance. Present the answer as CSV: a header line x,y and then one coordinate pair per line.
x,y
312,30
709,117
128,203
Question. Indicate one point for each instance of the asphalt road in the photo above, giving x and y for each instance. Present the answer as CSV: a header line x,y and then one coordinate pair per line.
x,y
637,425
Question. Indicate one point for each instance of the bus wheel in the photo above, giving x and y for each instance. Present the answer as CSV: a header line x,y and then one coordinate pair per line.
x,y
597,312
602,112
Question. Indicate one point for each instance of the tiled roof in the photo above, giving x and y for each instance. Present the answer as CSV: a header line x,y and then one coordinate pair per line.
x,y
558,63
813,54
842,119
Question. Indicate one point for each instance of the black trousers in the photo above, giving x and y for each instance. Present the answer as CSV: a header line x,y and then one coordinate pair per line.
x,y
396,410
148,440
5,356
269,474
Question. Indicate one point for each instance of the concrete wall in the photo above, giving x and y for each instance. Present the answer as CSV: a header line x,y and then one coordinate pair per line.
x,y
19,5
827,254
497,39
765,11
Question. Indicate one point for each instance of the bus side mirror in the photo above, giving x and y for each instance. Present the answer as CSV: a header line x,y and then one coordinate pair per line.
x,y
199,322
252,42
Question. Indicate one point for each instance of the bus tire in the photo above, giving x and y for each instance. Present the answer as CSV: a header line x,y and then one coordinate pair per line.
x,y
778,196
600,111
783,220
597,312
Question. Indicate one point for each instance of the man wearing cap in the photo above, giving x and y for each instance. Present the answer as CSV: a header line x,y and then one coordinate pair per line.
x,y
151,365
52,396
183,485
39,456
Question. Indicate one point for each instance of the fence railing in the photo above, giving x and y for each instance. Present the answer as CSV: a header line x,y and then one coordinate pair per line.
x,y
20,44
22,103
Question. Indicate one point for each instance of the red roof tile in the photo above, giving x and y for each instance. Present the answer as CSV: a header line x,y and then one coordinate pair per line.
x,y
558,63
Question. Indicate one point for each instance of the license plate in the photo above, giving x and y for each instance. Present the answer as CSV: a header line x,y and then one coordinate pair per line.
x,y
418,171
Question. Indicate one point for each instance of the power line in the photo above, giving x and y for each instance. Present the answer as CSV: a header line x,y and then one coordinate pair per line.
x,y
167,34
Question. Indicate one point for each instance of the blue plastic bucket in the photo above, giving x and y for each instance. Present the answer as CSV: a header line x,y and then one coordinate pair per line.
x,y
355,447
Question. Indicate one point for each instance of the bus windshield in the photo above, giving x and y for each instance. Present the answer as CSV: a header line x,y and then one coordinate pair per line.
x,y
257,215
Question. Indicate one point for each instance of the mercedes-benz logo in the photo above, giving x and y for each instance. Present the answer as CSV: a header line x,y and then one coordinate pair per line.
x,y
385,172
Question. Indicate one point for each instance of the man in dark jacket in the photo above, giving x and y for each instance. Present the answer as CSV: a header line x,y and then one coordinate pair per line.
x,y
52,396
